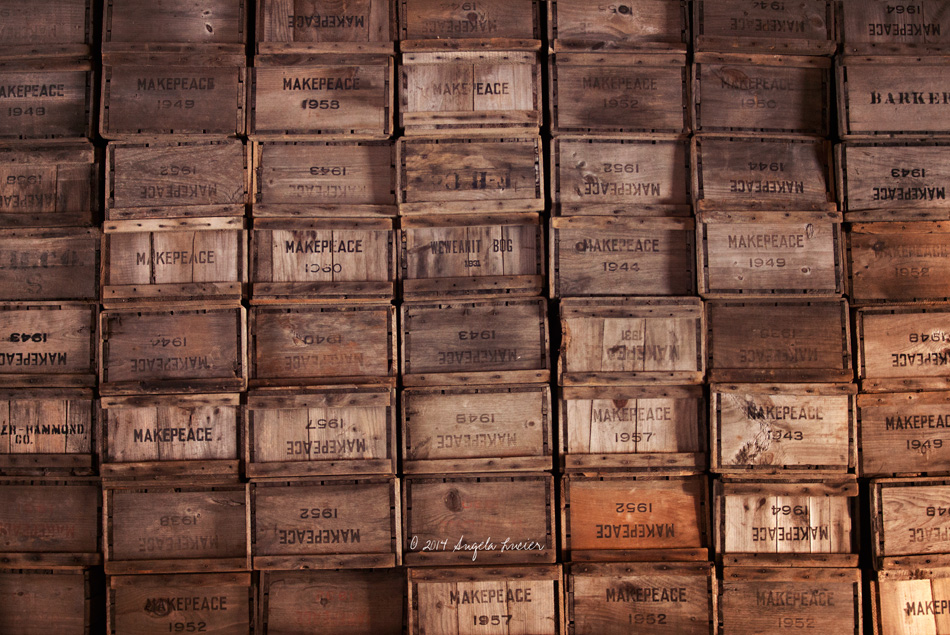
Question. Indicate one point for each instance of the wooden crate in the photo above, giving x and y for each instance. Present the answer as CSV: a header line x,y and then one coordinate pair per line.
x,y
601,255
575,25
323,179
500,519
474,342
326,523
46,98
801,522
879,26
170,436
312,96
902,434
172,350
632,341
477,429
360,602
50,523
748,254
48,431
645,175
465,21
618,599
899,261
903,347
48,184
519,599
325,26
759,601
593,93
632,428
49,264
777,341
169,94
803,28
634,517
326,430
215,25
761,428
762,173
908,525
481,255
47,27
296,345
909,601
40,601
176,528
213,603
466,175
470,91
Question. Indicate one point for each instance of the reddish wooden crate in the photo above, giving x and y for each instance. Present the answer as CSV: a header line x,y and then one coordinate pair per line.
x,y
49,264
902,434
466,21
47,27
320,26
576,25
69,601
805,28
47,98
908,522
880,27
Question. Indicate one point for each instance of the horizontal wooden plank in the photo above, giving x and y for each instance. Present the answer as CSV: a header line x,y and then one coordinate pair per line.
x,y
68,599
130,26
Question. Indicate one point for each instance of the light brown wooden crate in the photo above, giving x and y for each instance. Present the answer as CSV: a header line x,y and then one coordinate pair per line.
x,y
130,25
661,598
213,603
577,25
910,600
879,26
323,430
325,26
40,601
804,521
477,429
466,20
632,341
803,28
908,522
903,434
49,264
47,98
47,27
779,341
458,600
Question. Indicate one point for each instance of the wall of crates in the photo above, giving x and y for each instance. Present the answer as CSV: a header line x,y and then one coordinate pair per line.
x,y
526,317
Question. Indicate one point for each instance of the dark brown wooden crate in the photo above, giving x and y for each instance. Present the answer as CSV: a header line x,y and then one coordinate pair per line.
x,y
47,98
477,429
47,27
879,26
902,434
804,28
900,599
908,522
466,20
37,600
321,26
219,25
49,264
577,25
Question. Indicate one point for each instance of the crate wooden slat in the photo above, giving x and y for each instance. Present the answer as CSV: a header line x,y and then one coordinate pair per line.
x,y
634,517
620,175
632,341
325,430
213,603
908,522
617,599
49,264
904,434
219,25
51,345
899,261
576,25
47,98
48,431
500,519
779,341
40,601
804,521
459,600
49,523
632,428
909,600
47,27
173,350
879,26
804,28
477,429
325,26
326,523
467,20
764,600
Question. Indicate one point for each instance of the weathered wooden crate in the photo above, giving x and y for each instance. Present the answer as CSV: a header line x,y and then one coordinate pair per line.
x,y
48,431
762,428
50,523
879,26
902,434
908,522
776,341
47,27
47,344
762,94
322,260
910,600
800,522
499,519
602,255
49,264
474,342
635,517
758,601
631,341
48,184
326,430
477,429
294,345
762,173
903,347
170,436
447,91
325,26
354,602
748,254
773,26
312,96
323,179
459,600
466,21
576,25
214,603
645,175
594,93
326,523
632,428
40,601
178,350
214,25
618,599
176,527
170,94
46,98
899,261
479,255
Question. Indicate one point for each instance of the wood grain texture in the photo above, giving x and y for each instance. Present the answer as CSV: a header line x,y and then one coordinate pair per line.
x,y
56,25
49,264
47,431
872,27
435,20
65,110
649,24
806,27
892,181
59,349
902,346
48,184
904,433
128,25
325,25
899,262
